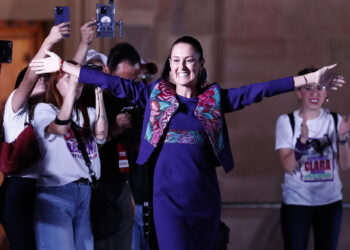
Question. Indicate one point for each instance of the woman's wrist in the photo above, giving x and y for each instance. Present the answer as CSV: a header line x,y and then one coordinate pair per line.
x,y
62,122
343,139
61,65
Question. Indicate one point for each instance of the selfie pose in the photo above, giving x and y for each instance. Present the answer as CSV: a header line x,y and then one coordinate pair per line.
x,y
312,144
185,136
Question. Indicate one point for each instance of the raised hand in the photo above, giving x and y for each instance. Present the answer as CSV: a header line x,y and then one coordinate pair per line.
x,y
58,32
327,78
88,31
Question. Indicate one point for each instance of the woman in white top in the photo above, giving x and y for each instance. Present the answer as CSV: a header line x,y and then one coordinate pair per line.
x,y
62,212
312,144
18,189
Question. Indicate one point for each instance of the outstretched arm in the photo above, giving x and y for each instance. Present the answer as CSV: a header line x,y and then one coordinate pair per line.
x,y
27,85
88,33
323,76
136,92
238,98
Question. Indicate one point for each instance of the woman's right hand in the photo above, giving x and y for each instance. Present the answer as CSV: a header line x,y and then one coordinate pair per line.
x,y
46,65
58,33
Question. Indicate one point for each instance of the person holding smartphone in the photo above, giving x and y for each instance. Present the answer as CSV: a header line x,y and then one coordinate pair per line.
x,y
18,189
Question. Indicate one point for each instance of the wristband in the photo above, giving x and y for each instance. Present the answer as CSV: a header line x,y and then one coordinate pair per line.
x,y
343,142
62,122
300,148
61,65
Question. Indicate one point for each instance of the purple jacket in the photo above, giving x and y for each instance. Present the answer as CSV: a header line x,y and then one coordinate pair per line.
x,y
160,103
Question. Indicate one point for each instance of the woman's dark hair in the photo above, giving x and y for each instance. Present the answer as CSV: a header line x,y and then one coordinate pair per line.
x,y
202,75
307,71
20,77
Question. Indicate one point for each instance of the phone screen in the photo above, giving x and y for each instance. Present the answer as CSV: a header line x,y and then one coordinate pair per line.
x,y
61,15
5,51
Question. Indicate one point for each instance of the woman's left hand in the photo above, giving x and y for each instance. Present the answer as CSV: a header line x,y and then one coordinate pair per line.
x,y
344,126
326,77
46,65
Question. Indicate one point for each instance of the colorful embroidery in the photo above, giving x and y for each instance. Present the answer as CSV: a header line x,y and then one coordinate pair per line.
x,y
185,136
208,111
163,105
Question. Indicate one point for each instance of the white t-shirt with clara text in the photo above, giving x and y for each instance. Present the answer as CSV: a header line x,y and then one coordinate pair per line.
x,y
62,162
315,180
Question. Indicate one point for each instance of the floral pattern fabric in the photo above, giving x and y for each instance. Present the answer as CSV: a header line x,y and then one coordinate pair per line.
x,y
163,105
208,112
185,137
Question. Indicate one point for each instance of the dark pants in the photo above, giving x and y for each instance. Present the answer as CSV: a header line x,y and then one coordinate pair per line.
x,y
123,238
325,221
17,195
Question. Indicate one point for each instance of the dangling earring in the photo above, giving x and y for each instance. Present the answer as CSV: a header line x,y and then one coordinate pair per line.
x,y
326,101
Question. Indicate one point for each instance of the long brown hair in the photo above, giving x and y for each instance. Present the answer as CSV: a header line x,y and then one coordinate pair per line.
x,y
54,97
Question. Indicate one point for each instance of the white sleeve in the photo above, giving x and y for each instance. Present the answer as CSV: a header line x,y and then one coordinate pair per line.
x,y
284,133
13,123
44,114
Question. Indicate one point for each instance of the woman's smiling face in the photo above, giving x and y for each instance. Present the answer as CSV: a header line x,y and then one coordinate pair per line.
x,y
312,96
185,65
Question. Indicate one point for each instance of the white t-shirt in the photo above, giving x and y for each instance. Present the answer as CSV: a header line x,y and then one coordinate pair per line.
x,y
62,161
315,180
14,124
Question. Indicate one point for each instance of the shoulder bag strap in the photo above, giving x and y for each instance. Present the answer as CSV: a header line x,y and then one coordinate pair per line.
x,y
82,148
291,120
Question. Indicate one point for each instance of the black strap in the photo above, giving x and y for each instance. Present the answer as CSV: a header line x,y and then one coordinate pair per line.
x,y
334,115
82,148
335,118
291,120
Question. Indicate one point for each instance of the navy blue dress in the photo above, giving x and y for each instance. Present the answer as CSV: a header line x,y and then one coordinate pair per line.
x,y
186,194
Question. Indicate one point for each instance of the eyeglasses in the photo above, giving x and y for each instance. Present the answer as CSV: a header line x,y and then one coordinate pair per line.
x,y
309,87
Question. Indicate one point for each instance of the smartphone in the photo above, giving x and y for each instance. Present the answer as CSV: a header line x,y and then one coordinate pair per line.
x,y
62,15
5,51
105,16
